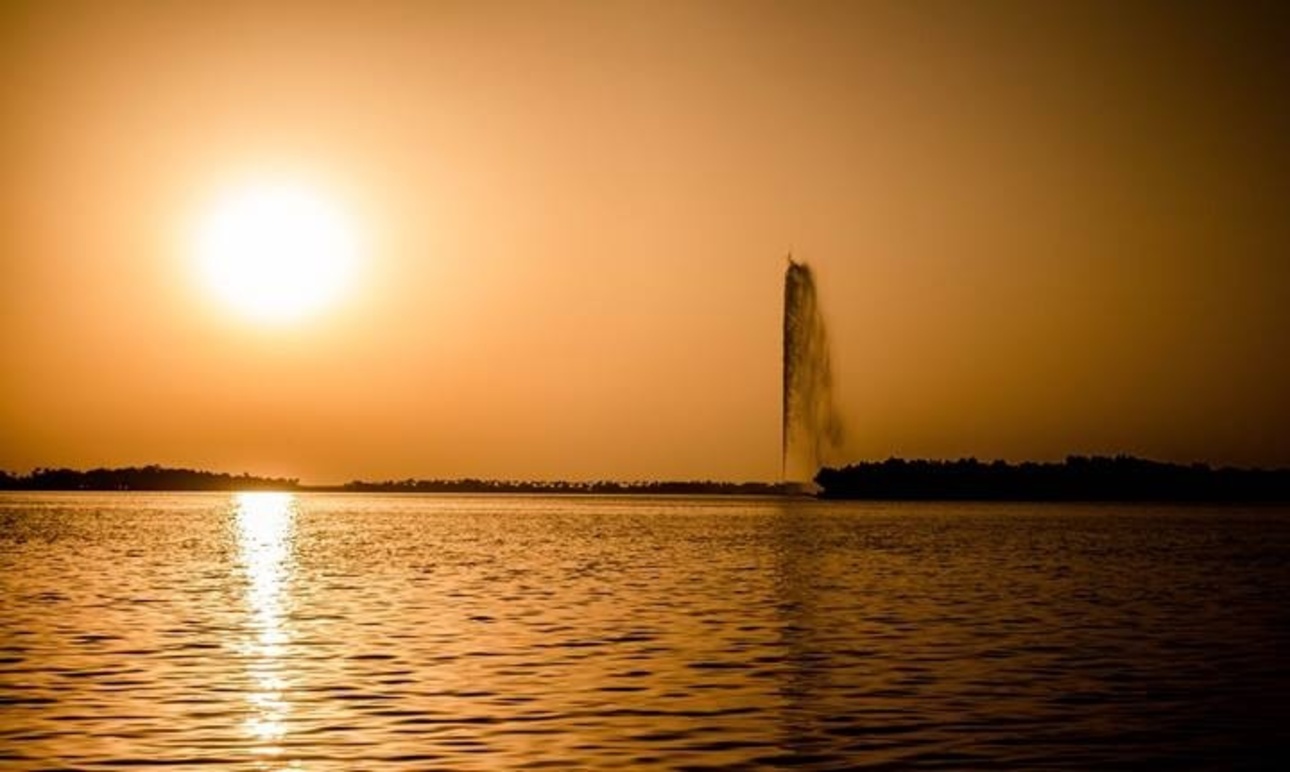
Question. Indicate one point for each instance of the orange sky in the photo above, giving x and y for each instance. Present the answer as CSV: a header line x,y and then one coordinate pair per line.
x,y
1036,230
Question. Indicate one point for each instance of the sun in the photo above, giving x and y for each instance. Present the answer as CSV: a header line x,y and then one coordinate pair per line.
x,y
276,251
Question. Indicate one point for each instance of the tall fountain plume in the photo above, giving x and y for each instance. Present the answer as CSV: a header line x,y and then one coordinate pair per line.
x,y
812,429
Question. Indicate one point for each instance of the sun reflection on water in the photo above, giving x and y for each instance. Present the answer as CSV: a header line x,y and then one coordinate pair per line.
x,y
264,528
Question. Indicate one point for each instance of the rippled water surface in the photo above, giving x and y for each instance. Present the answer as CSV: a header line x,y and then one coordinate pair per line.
x,y
266,631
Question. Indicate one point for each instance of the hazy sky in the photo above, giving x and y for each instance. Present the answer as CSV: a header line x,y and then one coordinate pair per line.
x,y
1038,229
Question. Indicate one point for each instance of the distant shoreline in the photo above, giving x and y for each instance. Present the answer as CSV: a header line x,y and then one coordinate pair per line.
x,y
163,479
1078,478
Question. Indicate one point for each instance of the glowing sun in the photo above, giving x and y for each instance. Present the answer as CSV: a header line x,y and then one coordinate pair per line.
x,y
276,251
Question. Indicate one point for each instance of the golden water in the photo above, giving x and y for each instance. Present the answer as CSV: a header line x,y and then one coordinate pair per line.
x,y
271,631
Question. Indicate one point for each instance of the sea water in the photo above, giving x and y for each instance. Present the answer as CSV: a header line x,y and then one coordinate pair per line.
x,y
330,631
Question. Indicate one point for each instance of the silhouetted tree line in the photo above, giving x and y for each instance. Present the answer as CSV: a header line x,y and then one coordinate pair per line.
x,y
158,478
142,478
1079,478
471,485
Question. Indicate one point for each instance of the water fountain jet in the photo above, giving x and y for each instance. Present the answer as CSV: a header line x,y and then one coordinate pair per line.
x,y
812,430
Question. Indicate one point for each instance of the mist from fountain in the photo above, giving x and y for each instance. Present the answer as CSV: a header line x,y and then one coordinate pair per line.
x,y
812,432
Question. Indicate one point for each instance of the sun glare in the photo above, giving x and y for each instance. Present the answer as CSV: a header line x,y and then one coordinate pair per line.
x,y
276,251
